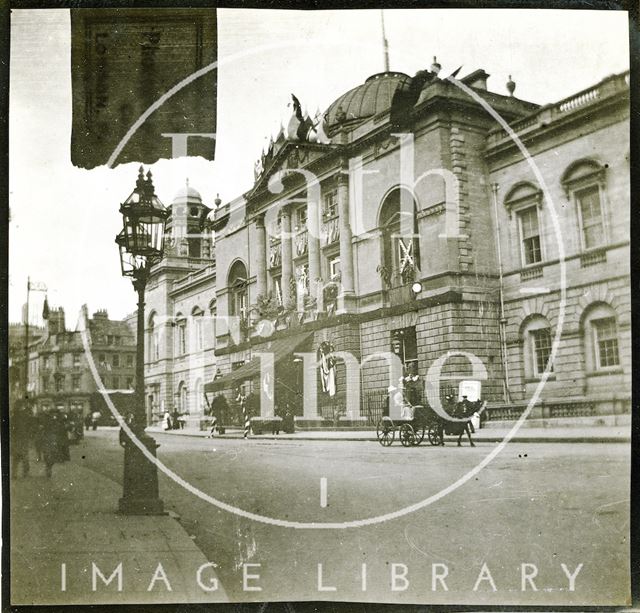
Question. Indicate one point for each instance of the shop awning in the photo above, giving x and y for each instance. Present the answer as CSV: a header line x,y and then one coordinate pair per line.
x,y
281,348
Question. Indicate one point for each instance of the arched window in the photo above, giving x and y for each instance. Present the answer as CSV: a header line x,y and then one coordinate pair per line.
x,y
150,331
537,341
237,284
153,349
600,338
524,201
197,315
181,334
398,223
182,398
584,184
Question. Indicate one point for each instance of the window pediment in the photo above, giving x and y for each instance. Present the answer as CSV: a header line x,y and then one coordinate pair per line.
x,y
522,195
239,283
581,172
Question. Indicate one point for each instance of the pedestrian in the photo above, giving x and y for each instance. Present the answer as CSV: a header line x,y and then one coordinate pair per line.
x,y
78,426
76,431
218,412
468,411
95,417
21,433
55,442
87,421
275,424
175,420
37,433
288,422
411,383
166,421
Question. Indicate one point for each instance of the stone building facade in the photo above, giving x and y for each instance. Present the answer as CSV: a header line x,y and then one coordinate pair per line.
x,y
180,302
18,387
59,374
408,223
581,146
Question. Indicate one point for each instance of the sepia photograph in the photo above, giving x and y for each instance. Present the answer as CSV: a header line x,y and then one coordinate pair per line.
x,y
327,305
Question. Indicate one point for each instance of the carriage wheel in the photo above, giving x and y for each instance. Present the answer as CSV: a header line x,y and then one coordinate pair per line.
x,y
434,435
407,435
385,431
420,434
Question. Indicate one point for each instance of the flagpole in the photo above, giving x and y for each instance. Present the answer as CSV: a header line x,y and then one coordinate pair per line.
x,y
385,43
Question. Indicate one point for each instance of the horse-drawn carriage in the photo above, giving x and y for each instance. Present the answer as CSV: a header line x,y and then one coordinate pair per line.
x,y
415,423
419,421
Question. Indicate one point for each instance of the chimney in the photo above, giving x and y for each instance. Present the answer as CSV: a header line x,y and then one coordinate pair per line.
x,y
477,79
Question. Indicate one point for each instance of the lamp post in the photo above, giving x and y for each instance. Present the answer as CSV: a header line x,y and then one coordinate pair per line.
x,y
141,244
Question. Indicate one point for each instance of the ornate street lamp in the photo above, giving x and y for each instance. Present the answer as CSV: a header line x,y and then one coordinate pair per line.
x,y
141,243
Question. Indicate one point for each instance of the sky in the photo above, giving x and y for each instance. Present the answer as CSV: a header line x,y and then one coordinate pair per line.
x,y
63,220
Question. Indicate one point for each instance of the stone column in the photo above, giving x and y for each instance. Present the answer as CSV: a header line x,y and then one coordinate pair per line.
x,y
313,246
260,257
267,384
346,299
310,388
287,258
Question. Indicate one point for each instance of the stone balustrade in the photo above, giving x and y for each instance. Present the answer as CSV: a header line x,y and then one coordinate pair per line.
x,y
610,86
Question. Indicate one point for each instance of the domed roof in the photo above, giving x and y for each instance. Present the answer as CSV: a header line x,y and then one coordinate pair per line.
x,y
372,97
188,194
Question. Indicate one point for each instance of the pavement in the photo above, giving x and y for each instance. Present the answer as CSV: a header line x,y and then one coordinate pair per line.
x,y
70,523
586,434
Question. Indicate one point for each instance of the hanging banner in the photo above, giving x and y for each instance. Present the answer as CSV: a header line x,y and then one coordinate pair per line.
x,y
327,368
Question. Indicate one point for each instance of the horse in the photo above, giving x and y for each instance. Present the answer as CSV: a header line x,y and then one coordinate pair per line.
x,y
463,409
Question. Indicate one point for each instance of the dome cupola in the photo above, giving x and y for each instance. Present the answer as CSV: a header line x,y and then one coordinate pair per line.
x,y
187,195
372,97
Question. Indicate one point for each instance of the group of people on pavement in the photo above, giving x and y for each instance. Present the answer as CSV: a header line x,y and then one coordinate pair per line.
x,y
173,421
221,413
48,432
91,420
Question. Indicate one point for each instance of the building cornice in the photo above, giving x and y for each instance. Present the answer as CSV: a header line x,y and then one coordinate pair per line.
x,y
448,297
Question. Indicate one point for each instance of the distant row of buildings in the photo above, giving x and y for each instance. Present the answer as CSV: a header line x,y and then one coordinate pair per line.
x,y
57,372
